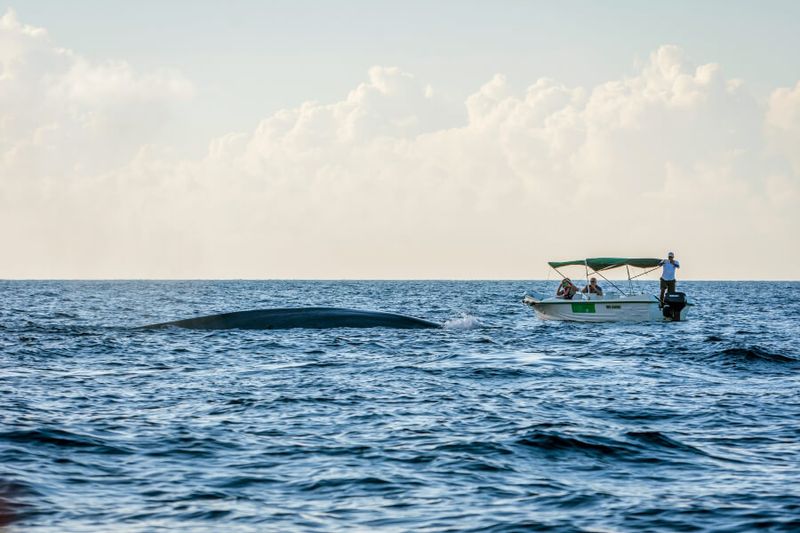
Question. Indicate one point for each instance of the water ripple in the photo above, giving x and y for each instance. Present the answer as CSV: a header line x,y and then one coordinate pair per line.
x,y
498,422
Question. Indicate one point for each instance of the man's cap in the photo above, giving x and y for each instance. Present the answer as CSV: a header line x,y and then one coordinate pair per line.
x,y
671,254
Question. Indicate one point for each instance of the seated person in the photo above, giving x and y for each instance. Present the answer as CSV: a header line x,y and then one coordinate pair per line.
x,y
566,290
593,288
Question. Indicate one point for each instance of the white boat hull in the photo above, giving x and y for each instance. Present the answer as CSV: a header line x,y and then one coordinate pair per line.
x,y
638,308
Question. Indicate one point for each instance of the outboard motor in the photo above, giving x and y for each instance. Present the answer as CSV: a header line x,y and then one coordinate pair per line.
x,y
674,302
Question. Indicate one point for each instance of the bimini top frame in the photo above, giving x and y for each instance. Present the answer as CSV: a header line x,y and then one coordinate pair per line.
x,y
599,264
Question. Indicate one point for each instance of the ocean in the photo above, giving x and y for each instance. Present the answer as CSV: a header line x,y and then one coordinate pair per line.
x,y
497,422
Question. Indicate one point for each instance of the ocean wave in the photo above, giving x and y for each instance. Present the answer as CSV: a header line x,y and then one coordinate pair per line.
x,y
367,483
474,447
237,482
758,354
589,445
632,446
660,440
60,438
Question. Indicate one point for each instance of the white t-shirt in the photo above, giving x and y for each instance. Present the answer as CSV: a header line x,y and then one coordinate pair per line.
x,y
669,269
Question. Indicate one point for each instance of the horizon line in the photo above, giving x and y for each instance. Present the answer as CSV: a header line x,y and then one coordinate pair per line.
x,y
377,279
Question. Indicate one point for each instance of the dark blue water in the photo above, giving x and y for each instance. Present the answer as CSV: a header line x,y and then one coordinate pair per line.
x,y
499,422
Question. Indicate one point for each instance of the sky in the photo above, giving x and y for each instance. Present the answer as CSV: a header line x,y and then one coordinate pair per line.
x,y
396,140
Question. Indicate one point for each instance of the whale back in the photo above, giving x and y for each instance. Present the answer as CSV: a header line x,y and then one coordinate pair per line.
x,y
301,317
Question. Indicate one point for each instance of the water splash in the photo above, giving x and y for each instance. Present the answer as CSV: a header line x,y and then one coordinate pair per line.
x,y
463,322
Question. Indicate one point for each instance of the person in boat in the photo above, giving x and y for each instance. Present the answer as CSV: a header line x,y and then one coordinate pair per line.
x,y
566,290
593,288
668,274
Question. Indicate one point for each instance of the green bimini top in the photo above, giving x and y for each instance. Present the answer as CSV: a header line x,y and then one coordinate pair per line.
x,y
604,263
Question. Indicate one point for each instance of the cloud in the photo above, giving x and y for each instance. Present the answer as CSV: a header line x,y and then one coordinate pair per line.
x,y
389,182
783,123
63,115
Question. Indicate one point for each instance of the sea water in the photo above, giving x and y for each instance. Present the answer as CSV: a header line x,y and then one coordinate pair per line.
x,y
497,422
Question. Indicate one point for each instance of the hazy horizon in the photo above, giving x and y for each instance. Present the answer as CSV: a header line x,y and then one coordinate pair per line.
x,y
577,279
360,141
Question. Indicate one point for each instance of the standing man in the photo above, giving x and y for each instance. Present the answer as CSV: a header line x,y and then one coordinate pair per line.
x,y
668,274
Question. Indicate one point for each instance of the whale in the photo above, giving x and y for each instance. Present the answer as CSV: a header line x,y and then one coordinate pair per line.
x,y
300,317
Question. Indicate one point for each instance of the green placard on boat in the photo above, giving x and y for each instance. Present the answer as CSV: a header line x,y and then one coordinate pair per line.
x,y
583,308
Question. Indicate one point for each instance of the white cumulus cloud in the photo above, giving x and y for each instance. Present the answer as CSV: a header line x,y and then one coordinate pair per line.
x,y
388,182
62,114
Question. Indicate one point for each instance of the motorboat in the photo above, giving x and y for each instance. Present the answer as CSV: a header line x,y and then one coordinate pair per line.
x,y
622,306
